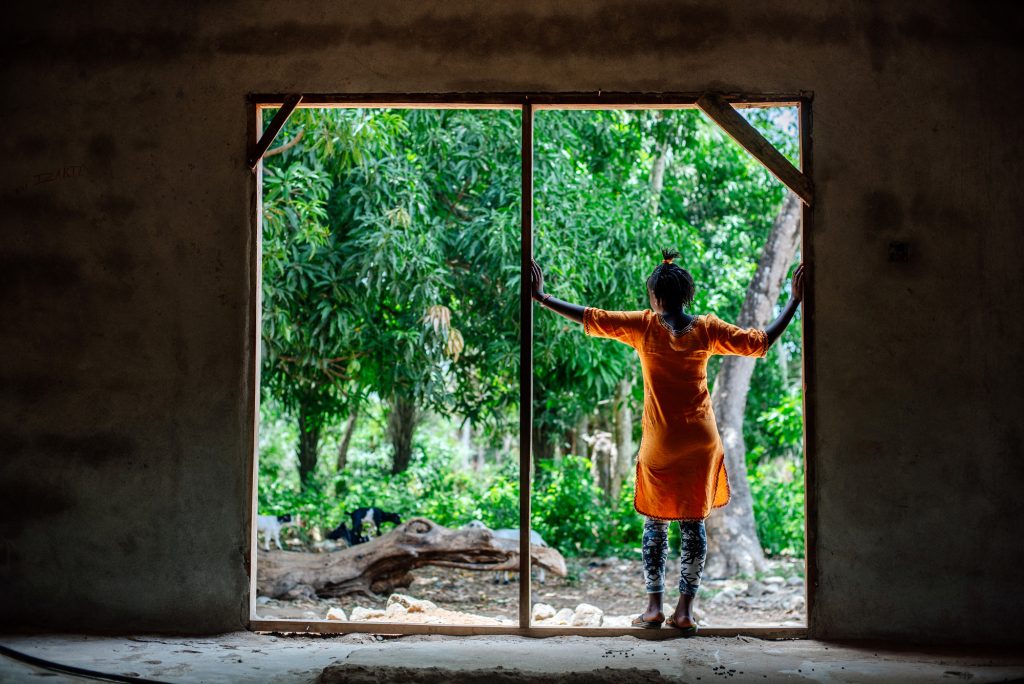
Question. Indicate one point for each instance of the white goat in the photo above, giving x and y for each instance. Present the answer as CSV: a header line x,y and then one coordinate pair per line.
x,y
271,526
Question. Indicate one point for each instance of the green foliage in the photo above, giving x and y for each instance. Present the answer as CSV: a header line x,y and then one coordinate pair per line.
x,y
571,513
778,490
377,218
375,223
437,485
568,509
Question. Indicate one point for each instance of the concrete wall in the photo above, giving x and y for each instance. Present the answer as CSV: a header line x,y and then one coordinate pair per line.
x,y
125,283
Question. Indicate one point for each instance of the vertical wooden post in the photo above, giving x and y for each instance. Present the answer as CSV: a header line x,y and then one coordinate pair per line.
x,y
525,364
255,129
809,378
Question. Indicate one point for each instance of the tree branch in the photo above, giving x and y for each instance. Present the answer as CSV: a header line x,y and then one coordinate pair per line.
x,y
287,146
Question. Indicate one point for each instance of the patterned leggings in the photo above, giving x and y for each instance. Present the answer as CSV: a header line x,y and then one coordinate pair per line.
x,y
692,553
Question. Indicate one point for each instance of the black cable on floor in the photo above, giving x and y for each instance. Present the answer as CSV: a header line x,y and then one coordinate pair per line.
x,y
71,669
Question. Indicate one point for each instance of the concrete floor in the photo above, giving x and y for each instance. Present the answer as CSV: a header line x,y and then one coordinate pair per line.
x,y
246,657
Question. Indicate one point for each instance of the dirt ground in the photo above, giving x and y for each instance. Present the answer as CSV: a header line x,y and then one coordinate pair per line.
x,y
614,585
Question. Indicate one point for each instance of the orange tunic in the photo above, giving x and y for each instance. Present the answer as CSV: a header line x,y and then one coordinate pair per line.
x,y
680,469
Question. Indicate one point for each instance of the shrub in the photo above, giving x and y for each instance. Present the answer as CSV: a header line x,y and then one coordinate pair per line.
x,y
777,486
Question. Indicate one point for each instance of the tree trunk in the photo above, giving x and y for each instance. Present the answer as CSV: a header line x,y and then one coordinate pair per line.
x,y
309,443
623,437
658,173
543,447
465,436
385,563
603,454
346,440
508,442
402,420
733,546
580,448
602,465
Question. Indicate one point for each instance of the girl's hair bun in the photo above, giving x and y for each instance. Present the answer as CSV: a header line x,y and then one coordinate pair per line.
x,y
671,284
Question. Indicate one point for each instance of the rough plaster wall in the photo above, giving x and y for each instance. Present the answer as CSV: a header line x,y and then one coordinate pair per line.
x,y
124,382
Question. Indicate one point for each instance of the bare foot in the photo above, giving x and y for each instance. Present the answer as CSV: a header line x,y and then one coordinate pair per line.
x,y
683,615
652,615
683,620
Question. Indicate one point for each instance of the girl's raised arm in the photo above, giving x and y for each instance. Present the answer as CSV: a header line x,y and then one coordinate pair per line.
x,y
574,312
776,327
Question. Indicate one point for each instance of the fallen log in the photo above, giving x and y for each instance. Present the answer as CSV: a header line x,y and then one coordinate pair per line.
x,y
385,563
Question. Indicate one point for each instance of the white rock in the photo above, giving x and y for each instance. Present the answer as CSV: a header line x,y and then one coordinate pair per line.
x,y
336,614
795,581
263,600
587,615
396,610
542,611
360,613
617,620
563,617
412,605
774,579
794,602
301,591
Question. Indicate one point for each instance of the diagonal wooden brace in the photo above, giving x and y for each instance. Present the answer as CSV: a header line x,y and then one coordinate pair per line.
x,y
750,139
276,124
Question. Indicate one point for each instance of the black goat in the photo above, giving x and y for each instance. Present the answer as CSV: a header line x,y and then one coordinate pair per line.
x,y
364,517
342,532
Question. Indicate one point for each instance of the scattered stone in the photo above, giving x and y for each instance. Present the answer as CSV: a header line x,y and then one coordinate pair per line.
x,y
774,579
359,613
563,617
617,620
413,605
614,588
336,614
794,602
542,611
755,589
263,600
419,612
396,611
301,591
587,615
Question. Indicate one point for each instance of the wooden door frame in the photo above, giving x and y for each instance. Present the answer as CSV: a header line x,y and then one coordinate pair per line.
x,y
528,104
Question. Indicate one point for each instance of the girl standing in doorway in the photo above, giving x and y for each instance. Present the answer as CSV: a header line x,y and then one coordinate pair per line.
x,y
680,470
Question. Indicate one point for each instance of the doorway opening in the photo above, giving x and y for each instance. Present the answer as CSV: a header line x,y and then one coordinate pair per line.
x,y
612,189
397,349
